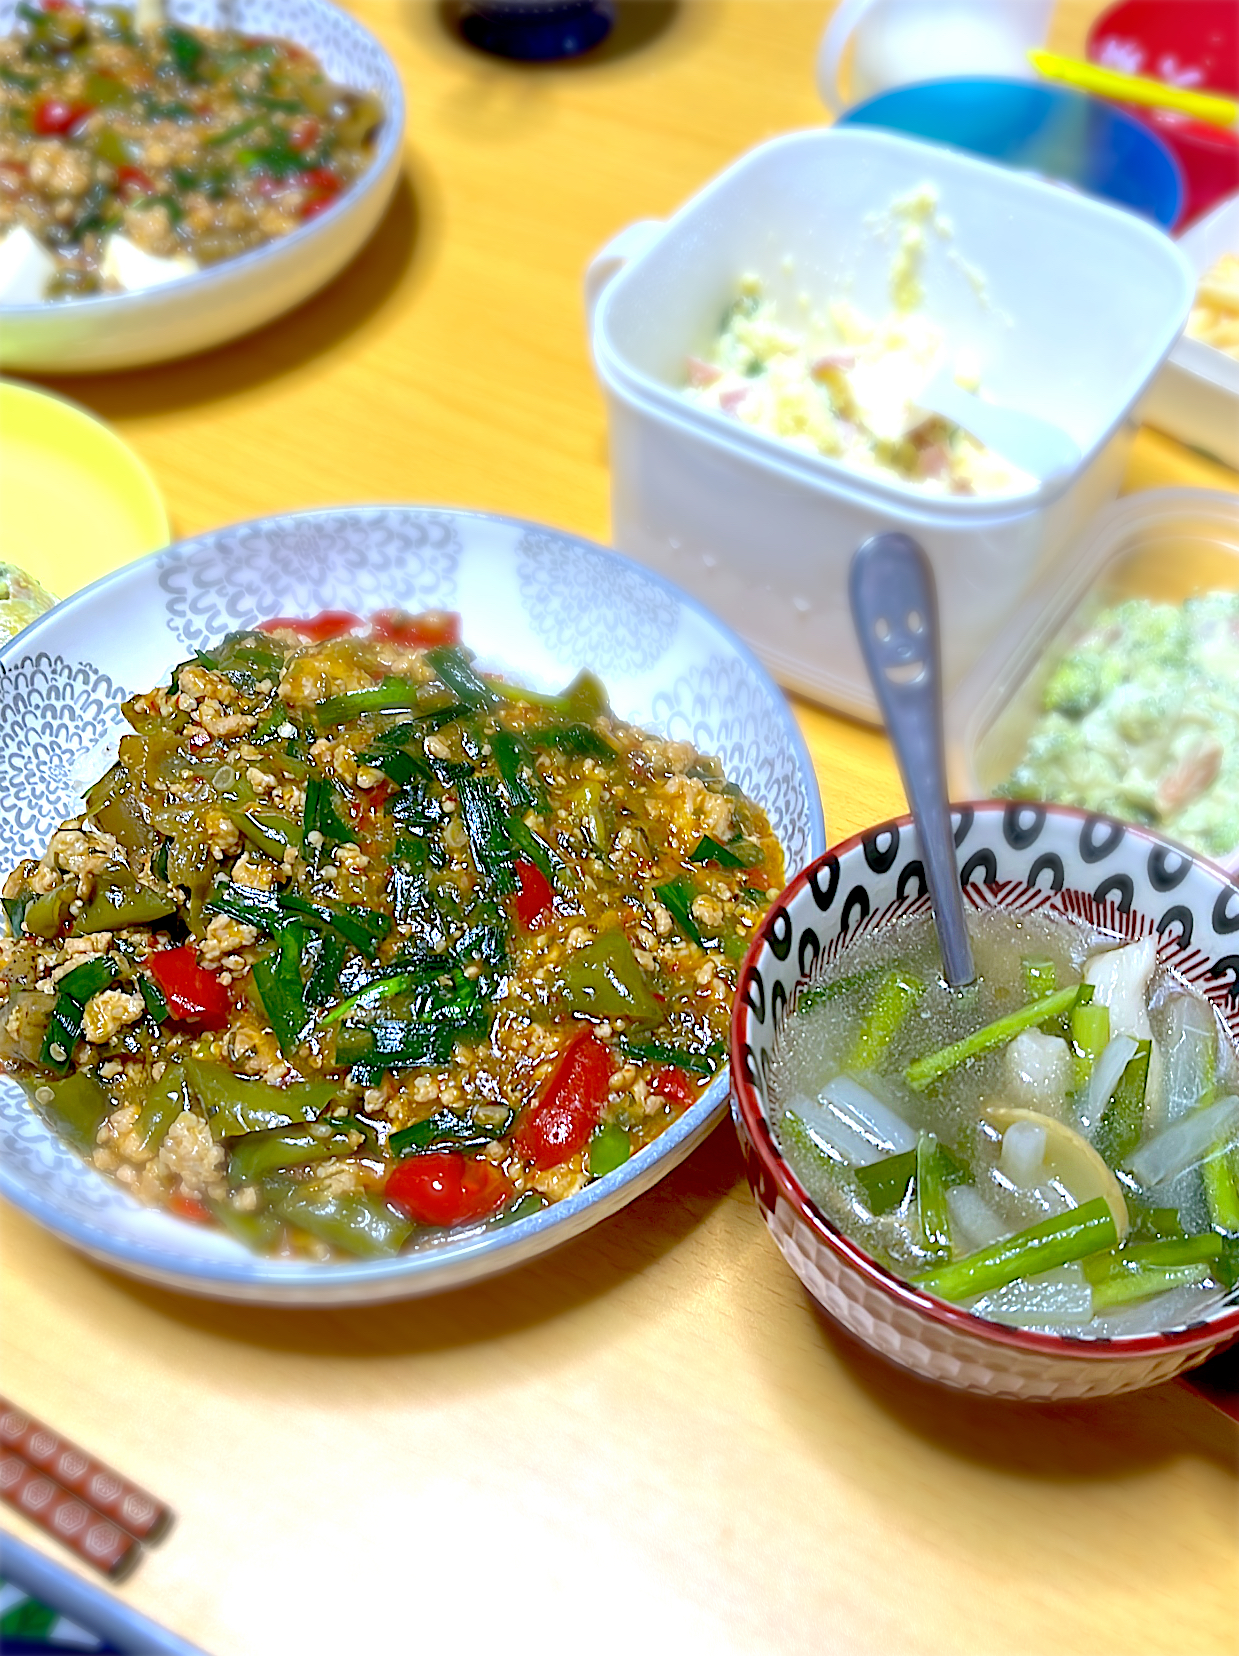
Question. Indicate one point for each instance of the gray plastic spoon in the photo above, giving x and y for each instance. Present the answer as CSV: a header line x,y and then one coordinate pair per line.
x,y
895,609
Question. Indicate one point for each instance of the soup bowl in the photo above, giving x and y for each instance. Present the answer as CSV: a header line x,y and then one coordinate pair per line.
x,y
1118,880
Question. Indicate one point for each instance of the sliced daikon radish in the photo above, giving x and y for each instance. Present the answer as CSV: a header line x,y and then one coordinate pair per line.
x,y
1107,1073
1056,1299
1120,979
1184,1143
864,1113
1038,1069
973,1221
1191,1054
1023,1152
1069,1158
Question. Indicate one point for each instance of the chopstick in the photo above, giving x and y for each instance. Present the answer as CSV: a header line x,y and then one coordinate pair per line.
x,y
1139,89
96,1512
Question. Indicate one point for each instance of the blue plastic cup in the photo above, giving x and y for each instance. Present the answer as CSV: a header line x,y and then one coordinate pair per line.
x,y
1043,129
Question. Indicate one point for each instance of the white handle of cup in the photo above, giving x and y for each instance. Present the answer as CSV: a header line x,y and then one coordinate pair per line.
x,y
627,244
839,31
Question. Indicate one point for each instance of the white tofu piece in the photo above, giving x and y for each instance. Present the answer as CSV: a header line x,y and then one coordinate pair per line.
x,y
26,268
125,263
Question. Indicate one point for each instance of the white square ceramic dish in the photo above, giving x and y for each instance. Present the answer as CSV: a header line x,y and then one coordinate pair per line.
x,y
1196,395
535,604
1030,280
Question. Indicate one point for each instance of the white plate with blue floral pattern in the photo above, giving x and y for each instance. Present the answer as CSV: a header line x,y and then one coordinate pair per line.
x,y
537,605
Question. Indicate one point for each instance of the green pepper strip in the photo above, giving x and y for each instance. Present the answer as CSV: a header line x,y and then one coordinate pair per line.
x,y
609,1147
275,1147
354,1222
79,1105
603,980
920,1073
235,1105
166,1100
1053,1242
894,998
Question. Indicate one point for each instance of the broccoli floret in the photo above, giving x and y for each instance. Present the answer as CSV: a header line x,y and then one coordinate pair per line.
x,y
1075,686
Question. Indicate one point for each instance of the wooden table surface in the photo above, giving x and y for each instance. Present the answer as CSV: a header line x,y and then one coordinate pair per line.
x,y
649,1440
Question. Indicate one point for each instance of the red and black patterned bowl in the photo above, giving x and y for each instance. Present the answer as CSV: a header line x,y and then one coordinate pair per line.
x,y
1020,858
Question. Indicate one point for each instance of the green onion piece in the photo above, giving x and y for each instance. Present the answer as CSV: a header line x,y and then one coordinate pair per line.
x,y
821,994
1090,1036
1125,1287
278,981
709,850
1220,1177
325,972
515,762
1040,978
88,979
258,1231
662,1052
609,1148
522,1208
922,1071
153,997
932,1208
486,824
535,848
444,1127
392,696
1164,1254
677,898
885,1183
1122,1121
453,669
380,988
1052,1242
1153,1224
240,130
894,998
577,740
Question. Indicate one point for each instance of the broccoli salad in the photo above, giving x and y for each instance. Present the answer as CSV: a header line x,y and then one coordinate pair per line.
x,y
1141,720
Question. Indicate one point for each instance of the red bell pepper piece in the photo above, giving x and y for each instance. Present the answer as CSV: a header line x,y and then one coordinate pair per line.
x,y
53,117
134,180
535,897
560,1122
672,1083
420,632
189,1207
193,994
442,1187
315,629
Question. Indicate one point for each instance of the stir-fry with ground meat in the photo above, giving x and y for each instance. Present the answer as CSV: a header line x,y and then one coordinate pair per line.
x,y
354,943
131,155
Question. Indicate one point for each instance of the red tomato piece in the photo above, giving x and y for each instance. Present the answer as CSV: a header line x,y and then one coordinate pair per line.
x,y
193,994
560,1122
135,180
53,117
442,1187
419,632
535,898
672,1083
189,1207
315,629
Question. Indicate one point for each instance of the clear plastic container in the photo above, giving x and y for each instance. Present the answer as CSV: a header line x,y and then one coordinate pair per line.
x,y
1069,305
1196,395
1164,545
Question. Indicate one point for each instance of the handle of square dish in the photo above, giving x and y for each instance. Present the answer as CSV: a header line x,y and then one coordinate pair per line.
x,y
627,244
839,31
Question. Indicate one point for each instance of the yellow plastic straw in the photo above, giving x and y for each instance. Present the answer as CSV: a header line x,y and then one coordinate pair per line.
x,y
1138,89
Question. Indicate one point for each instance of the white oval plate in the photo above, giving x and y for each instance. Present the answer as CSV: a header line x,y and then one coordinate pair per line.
x,y
126,330
537,605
